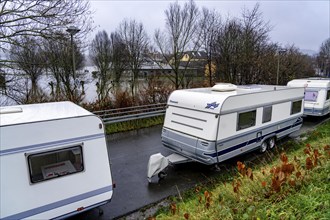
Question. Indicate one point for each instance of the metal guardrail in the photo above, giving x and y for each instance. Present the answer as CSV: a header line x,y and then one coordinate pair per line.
x,y
131,113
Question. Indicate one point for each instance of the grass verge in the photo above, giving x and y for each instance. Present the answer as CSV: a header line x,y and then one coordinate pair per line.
x,y
291,182
133,124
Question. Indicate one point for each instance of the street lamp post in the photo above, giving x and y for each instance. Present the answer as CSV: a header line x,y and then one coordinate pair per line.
x,y
72,31
326,66
279,51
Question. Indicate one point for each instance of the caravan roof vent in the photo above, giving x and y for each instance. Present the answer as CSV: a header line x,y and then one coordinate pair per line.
x,y
224,87
250,87
8,110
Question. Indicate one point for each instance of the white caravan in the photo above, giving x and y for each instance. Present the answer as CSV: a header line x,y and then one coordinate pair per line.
x,y
53,160
210,125
317,95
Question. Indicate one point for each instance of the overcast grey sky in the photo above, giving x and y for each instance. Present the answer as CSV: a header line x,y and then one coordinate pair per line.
x,y
306,24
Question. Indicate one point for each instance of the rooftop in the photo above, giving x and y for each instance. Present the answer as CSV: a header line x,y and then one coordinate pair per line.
x,y
20,114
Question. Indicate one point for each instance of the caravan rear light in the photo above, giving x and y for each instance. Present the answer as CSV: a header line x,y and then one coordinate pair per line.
x,y
80,209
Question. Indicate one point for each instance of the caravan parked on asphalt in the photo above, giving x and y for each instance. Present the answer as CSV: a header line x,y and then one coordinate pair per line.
x,y
317,95
54,161
210,125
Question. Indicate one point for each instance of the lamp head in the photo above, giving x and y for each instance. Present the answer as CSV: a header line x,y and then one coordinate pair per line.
x,y
72,30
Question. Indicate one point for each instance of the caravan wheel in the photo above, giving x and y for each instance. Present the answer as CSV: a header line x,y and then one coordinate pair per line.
x,y
271,143
263,147
162,175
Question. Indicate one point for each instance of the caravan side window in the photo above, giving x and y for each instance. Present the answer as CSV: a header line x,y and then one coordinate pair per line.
x,y
267,114
295,107
57,163
328,95
246,120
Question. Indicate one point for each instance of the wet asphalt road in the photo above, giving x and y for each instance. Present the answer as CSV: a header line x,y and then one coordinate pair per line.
x,y
129,154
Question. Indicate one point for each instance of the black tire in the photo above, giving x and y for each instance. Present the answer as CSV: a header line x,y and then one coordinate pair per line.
x,y
263,147
271,143
162,175
100,212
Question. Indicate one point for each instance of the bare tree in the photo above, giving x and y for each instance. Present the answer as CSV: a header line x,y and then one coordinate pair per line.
x,y
254,40
294,65
55,66
136,41
267,65
288,64
59,66
109,55
181,34
3,82
3,88
323,58
29,60
241,46
10,87
119,57
40,18
101,56
210,25
227,50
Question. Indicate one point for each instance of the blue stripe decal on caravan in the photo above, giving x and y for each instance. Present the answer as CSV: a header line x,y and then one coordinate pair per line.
x,y
219,153
59,204
317,112
50,144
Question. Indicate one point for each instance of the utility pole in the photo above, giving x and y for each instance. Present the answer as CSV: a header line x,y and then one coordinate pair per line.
x,y
279,52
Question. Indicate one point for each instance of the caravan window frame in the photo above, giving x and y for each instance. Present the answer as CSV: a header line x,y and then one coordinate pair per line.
x,y
266,114
245,126
55,163
294,109
308,93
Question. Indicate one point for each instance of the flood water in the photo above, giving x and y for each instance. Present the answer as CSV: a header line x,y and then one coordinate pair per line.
x,y
43,83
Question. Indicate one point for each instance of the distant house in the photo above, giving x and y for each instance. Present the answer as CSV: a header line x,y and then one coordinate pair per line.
x,y
194,56
195,60
152,69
